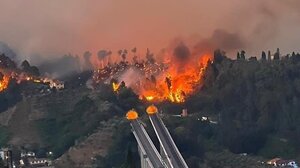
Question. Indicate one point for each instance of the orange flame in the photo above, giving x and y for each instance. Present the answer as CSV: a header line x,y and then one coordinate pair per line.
x,y
177,82
115,86
173,80
4,83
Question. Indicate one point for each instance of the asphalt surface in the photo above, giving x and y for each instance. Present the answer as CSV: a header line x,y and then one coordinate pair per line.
x,y
167,143
154,159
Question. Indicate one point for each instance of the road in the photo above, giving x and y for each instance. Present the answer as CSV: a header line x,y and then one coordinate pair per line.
x,y
148,146
167,142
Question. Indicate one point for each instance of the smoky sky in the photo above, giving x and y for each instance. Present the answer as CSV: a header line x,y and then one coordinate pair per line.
x,y
56,27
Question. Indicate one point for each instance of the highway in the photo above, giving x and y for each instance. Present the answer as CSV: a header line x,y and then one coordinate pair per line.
x,y
167,143
147,145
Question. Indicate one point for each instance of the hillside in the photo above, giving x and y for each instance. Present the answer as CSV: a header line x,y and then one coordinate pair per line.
x,y
254,106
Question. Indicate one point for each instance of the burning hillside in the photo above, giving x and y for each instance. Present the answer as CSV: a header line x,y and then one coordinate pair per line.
x,y
9,71
175,83
173,79
4,80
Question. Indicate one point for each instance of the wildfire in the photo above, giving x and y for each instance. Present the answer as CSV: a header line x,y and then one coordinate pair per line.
x,y
4,83
173,80
175,85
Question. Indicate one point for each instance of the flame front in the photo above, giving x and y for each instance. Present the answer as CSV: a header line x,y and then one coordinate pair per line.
x,y
172,79
4,83
176,83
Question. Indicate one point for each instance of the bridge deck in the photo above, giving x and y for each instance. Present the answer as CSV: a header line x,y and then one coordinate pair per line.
x,y
147,145
174,156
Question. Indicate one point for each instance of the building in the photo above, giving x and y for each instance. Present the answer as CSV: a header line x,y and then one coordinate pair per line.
x,y
39,162
6,156
278,162
27,154
57,84
184,113
287,163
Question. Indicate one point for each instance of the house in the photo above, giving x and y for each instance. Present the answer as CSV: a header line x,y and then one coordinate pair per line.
x,y
273,161
27,154
39,162
278,162
287,163
6,156
57,84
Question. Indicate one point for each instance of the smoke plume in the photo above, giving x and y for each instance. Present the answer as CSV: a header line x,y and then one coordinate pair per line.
x,y
182,52
49,29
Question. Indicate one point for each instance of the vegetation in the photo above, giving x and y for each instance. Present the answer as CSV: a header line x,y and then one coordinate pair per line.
x,y
67,122
1,162
256,106
253,99
10,96
124,148
4,136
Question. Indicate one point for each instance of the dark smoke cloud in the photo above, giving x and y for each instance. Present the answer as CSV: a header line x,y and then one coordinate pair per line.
x,y
61,67
182,52
220,39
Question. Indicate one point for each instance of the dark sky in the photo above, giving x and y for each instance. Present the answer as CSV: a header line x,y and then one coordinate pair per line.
x,y
56,27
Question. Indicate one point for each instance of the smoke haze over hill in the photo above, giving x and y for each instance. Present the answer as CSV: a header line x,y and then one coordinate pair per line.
x,y
49,28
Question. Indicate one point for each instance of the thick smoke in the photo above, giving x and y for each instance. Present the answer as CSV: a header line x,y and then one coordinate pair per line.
x,y
53,28
61,67
5,49
130,77
220,39
182,52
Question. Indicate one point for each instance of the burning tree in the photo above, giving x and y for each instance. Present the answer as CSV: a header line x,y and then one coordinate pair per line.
x,y
158,81
4,80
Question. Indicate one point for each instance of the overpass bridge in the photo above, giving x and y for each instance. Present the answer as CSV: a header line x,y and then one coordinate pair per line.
x,y
169,156
150,158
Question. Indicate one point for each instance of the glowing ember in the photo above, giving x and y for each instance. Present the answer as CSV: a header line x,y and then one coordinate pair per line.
x,y
4,83
149,98
115,86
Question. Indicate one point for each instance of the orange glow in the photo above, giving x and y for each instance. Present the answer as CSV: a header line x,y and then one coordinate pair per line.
x,y
172,79
176,83
37,81
152,110
4,83
149,98
132,115
115,86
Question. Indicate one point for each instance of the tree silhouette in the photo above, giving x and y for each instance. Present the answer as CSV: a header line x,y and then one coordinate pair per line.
x,y
277,54
243,55
238,55
269,55
263,56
